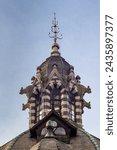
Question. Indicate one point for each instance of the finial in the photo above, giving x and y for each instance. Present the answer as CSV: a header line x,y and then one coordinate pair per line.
x,y
55,30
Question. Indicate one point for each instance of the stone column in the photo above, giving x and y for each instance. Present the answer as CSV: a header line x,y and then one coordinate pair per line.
x,y
32,112
78,110
64,104
45,103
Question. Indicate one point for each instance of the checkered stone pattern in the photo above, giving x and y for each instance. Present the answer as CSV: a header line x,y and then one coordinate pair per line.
x,y
39,109
32,112
45,106
56,88
78,109
78,106
64,104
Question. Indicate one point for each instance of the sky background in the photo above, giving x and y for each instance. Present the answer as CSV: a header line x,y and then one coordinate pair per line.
x,y
24,45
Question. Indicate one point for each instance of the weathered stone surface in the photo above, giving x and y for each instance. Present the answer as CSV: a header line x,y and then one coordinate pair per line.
x,y
81,142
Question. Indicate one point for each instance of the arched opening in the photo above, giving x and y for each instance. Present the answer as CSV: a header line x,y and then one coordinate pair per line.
x,y
60,131
72,111
44,131
56,99
71,106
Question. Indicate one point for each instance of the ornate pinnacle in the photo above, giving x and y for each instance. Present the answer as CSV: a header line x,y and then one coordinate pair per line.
x,y
55,30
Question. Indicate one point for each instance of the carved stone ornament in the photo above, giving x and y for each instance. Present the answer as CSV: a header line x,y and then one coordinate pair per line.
x,y
83,90
85,104
38,76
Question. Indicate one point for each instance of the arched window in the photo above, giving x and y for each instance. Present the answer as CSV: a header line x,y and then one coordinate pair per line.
x,y
55,93
40,115
72,106
39,112
55,100
72,111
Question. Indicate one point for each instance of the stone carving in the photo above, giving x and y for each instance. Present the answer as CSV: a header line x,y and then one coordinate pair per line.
x,y
58,83
38,76
71,79
28,91
55,66
33,80
85,104
37,83
54,73
39,87
74,83
78,79
71,75
51,84
38,80
82,90
25,106
71,85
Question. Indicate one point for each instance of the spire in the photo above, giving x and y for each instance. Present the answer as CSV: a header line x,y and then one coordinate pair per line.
x,y
55,31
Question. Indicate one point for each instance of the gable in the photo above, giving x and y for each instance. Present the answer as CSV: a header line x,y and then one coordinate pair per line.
x,y
63,126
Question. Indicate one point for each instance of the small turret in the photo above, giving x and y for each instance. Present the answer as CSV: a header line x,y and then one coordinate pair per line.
x,y
55,87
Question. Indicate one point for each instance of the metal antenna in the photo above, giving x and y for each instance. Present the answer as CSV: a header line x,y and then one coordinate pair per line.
x,y
55,30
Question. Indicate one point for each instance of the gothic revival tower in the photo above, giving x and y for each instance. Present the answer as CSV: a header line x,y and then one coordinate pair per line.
x,y
55,87
55,100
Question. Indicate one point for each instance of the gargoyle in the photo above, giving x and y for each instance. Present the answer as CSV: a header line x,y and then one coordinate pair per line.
x,y
85,104
25,106
28,91
82,90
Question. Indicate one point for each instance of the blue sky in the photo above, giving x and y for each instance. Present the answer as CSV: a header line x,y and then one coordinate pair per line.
x,y
24,45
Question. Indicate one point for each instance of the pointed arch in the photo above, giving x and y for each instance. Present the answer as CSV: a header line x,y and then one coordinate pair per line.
x,y
55,97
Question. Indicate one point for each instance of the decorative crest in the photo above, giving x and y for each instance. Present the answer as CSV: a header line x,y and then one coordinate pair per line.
x,y
55,30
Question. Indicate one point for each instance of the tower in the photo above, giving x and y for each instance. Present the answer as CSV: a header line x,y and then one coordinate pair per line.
x,y
55,100
55,87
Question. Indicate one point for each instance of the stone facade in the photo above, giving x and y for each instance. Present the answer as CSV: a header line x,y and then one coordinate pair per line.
x,y
55,86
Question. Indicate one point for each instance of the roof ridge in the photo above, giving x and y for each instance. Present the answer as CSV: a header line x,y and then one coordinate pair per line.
x,y
91,138
15,140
